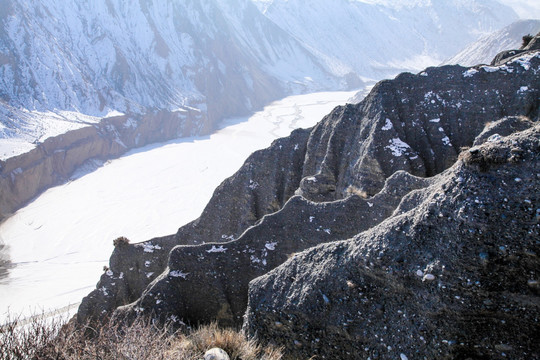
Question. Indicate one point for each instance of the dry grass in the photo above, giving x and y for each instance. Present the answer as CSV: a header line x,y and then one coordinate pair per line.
x,y
195,344
353,190
42,338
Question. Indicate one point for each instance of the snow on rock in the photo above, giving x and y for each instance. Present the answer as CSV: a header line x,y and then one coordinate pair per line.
x,y
388,125
398,147
219,249
470,72
149,247
178,273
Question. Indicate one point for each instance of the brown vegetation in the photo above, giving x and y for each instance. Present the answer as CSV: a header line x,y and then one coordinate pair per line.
x,y
526,40
121,241
46,338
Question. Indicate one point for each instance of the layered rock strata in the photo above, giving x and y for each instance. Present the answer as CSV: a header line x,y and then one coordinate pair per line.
x,y
54,161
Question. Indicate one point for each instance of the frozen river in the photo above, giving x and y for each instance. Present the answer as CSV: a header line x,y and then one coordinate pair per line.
x,y
59,243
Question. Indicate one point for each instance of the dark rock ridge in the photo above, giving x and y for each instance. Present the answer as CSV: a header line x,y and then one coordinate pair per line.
x,y
54,161
363,164
453,277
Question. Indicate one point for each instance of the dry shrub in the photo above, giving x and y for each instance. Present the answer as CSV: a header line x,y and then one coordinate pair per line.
x,y
121,241
485,156
526,40
196,343
353,190
43,338
32,338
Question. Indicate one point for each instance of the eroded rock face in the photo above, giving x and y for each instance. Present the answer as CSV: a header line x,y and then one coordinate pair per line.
x,y
23,177
454,277
360,165
210,281
245,197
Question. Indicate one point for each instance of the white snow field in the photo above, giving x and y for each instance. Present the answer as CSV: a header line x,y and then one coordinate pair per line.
x,y
59,243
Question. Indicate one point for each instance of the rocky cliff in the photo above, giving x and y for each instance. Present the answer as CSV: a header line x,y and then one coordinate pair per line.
x,y
433,178
55,160
453,274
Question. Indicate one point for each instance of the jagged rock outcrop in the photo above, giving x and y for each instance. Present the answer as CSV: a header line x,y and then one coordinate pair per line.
x,y
453,277
360,165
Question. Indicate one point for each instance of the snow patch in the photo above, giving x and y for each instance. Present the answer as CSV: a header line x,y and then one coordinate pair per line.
x,y
446,140
491,69
253,184
149,247
398,147
130,123
215,249
525,61
470,73
178,273
388,125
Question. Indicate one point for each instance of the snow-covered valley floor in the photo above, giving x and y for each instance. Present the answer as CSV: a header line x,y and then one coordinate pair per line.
x,y
59,243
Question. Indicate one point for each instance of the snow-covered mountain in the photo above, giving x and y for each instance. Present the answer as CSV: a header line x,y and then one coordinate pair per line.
x,y
484,49
64,65
95,57
379,38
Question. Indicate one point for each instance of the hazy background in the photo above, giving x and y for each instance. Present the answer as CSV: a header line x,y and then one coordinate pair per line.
x,y
527,9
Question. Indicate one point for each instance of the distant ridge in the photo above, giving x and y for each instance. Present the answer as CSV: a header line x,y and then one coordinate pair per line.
x,y
484,49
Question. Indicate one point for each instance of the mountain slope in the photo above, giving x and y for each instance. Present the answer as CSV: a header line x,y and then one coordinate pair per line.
x,y
451,275
484,49
93,58
361,167
157,70
379,39
58,61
